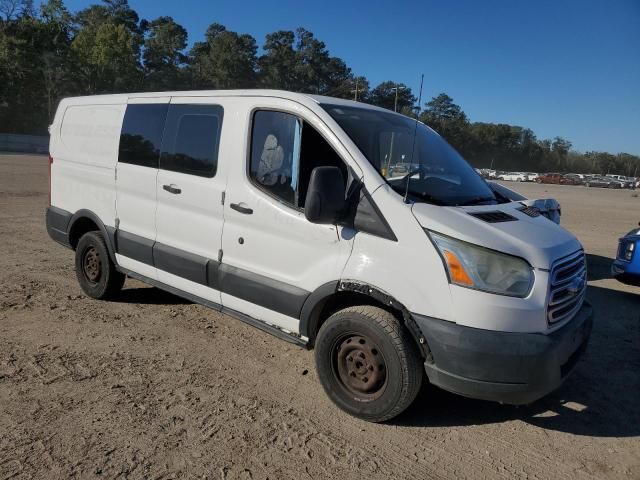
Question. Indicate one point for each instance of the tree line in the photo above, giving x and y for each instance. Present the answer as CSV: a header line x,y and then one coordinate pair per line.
x,y
48,53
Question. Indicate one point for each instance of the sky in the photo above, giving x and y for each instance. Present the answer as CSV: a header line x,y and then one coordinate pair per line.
x,y
568,68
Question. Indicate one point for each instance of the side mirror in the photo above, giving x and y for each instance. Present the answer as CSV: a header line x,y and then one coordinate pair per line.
x,y
325,200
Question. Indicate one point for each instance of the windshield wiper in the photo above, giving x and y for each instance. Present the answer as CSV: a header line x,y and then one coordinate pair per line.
x,y
423,195
410,174
426,197
477,201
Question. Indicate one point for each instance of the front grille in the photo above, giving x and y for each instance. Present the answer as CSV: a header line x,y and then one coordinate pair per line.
x,y
568,287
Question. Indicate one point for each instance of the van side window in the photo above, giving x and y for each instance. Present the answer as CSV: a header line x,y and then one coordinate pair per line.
x,y
275,153
191,139
284,152
141,134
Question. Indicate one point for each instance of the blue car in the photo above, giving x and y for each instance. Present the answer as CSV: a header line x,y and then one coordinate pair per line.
x,y
626,266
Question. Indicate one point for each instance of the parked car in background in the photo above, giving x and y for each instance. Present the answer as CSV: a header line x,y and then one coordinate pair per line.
x,y
572,179
581,176
626,266
558,179
603,182
550,178
626,182
514,177
531,177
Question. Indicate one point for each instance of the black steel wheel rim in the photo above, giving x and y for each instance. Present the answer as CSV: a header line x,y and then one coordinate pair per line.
x,y
91,265
359,366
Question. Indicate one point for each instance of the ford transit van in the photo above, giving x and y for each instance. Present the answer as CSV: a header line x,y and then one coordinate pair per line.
x,y
332,224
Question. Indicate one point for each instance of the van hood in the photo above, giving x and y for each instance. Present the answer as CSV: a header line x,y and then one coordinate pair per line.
x,y
537,239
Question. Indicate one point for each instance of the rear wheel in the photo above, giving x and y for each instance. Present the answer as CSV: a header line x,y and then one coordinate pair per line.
x,y
368,364
96,273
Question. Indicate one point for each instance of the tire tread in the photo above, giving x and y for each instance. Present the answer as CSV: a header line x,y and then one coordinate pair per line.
x,y
405,347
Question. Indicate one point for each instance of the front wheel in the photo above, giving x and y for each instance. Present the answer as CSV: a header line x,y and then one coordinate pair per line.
x,y
97,275
368,364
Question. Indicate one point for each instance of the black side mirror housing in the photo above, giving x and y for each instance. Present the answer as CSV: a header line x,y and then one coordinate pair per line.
x,y
325,200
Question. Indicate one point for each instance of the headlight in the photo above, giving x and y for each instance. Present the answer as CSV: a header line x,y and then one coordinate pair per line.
x,y
476,267
628,251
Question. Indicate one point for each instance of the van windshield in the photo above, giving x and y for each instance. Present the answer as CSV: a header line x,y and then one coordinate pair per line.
x,y
430,168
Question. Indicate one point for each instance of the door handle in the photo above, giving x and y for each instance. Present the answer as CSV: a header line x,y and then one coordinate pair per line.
x,y
239,208
172,189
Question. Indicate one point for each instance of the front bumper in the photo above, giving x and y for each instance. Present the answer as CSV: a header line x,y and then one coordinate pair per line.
x,y
626,272
513,368
622,273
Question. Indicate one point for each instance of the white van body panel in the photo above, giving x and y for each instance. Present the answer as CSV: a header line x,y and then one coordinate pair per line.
x,y
193,220
410,270
537,240
138,267
276,240
84,148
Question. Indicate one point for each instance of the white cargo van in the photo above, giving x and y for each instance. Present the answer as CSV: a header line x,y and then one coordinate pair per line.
x,y
331,224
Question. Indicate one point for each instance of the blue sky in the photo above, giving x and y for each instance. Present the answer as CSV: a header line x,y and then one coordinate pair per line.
x,y
566,67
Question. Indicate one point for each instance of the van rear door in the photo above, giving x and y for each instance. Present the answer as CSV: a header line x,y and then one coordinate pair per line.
x,y
136,175
189,187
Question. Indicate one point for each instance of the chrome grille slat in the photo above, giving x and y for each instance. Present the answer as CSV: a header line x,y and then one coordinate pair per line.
x,y
565,281
564,301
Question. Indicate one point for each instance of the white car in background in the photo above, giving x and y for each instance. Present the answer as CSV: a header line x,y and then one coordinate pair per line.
x,y
547,207
627,182
514,177
532,177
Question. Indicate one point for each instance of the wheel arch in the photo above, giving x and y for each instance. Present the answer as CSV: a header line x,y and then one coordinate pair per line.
x,y
84,221
336,295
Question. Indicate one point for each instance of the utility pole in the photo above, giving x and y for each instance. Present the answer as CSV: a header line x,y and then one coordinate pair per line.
x,y
395,105
355,96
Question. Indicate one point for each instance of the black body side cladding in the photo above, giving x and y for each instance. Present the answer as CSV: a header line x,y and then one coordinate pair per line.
x,y
264,291
58,221
61,225
310,314
135,247
178,262
213,275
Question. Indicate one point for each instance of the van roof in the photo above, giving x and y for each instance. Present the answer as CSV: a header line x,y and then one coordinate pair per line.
x,y
303,98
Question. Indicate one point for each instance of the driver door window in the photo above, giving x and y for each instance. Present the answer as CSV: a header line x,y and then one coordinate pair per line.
x,y
284,152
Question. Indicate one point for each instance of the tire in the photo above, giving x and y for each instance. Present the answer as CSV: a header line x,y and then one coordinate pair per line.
x,y
96,273
368,364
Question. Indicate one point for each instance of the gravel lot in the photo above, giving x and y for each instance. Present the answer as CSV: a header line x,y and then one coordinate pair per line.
x,y
154,387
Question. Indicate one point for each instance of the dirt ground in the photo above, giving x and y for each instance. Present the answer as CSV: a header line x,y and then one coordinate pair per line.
x,y
153,387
